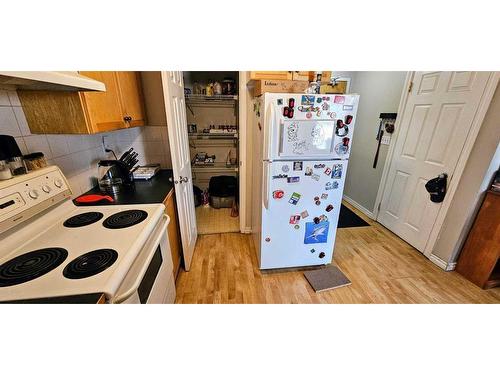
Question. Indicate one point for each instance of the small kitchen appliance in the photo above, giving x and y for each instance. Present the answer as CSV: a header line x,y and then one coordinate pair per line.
x,y
114,176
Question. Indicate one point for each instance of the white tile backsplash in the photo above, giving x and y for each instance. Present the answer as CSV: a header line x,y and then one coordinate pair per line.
x,y
77,155
8,122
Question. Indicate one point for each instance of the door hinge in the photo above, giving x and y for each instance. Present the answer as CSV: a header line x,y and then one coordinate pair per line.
x,y
410,86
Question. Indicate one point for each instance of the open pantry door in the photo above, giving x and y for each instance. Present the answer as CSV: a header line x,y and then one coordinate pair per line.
x,y
173,91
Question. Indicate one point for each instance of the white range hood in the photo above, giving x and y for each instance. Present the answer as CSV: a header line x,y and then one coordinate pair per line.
x,y
60,81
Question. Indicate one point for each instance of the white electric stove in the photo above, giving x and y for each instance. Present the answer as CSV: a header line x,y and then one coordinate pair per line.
x,y
51,248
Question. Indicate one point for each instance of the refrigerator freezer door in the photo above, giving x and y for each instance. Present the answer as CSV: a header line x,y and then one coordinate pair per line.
x,y
303,205
320,126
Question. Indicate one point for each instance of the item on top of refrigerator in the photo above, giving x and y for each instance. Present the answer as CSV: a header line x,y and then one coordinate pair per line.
x,y
209,89
35,161
192,128
279,86
187,91
228,86
146,172
217,88
197,88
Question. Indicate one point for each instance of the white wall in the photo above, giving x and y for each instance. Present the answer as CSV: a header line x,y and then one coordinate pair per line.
x,y
379,92
77,155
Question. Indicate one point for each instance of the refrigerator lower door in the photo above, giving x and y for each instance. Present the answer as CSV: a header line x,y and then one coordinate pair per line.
x,y
300,211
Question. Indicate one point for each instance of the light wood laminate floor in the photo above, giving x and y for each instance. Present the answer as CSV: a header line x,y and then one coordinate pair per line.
x,y
211,220
382,267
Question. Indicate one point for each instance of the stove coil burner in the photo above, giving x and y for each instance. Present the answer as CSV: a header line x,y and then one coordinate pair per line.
x,y
82,220
125,219
31,265
90,264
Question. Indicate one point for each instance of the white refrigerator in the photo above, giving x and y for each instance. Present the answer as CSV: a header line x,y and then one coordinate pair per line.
x,y
302,144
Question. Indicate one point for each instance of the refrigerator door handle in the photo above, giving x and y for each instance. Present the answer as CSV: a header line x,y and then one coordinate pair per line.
x,y
265,193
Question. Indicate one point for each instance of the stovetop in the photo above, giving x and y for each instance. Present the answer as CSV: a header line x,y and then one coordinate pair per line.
x,y
74,250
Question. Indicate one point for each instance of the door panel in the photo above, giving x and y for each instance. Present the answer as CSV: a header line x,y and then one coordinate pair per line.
x,y
433,130
175,106
288,243
131,98
104,108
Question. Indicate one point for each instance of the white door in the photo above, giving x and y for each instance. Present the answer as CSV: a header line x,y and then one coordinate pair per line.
x,y
173,90
434,127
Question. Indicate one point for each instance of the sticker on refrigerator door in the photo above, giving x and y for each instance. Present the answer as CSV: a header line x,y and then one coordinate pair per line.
x,y
316,233
328,171
278,194
319,166
319,99
329,208
315,177
275,177
341,129
337,171
294,219
308,115
325,107
304,214
331,185
297,165
279,101
308,171
324,196
294,199
293,179
307,100
348,107
285,168
342,147
348,119
296,226
339,99
323,218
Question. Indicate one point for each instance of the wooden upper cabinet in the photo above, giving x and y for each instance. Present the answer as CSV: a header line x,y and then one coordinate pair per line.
x,y
119,107
104,109
131,94
271,74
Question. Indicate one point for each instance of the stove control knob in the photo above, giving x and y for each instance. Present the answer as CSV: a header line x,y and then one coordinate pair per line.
x,y
46,188
33,194
58,183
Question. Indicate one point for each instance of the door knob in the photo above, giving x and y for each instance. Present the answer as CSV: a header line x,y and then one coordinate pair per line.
x,y
183,179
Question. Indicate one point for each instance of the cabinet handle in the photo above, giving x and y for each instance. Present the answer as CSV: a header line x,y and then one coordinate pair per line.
x,y
127,118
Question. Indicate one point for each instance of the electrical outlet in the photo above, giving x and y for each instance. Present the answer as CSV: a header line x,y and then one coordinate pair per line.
x,y
386,140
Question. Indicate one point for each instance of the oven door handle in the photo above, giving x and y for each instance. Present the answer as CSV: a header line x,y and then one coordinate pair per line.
x,y
133,288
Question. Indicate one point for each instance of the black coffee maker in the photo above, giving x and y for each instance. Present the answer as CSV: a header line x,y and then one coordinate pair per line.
x,y
114,176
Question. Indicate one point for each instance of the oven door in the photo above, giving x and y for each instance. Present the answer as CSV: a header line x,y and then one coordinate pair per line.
x,y
150,279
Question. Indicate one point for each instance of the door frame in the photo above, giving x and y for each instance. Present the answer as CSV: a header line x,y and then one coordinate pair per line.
x,y
244,203
484,104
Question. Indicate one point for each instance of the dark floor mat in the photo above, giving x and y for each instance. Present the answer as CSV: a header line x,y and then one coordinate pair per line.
x,y
326,278
348,219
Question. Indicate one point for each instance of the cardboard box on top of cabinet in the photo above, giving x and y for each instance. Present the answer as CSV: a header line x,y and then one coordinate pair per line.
x,y
268,85
339,88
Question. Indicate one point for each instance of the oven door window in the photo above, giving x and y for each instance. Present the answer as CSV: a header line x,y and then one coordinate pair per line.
x,y
149,278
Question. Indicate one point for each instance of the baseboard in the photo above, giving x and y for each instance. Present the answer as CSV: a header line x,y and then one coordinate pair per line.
x,y
442,264
359,207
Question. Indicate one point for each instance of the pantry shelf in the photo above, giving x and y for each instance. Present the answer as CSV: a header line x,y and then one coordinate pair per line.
x,y
214,136
215,167
211,101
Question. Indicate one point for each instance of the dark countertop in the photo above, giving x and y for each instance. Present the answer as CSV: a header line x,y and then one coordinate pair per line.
x,y
154,190
82,298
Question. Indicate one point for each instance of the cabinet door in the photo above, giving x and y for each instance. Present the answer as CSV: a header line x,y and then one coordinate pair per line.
x,y
131,97
104,109
271,74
